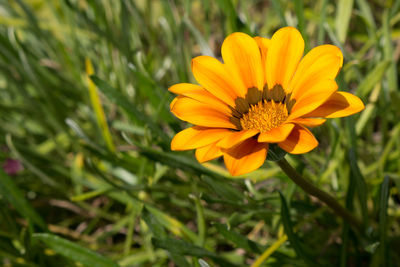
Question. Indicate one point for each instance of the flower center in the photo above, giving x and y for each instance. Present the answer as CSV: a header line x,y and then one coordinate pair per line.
x,y
264,116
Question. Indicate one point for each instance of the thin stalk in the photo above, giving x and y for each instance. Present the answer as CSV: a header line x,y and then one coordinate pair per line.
x,y
319,194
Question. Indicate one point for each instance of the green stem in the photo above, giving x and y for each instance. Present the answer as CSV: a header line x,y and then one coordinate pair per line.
x,y
319,194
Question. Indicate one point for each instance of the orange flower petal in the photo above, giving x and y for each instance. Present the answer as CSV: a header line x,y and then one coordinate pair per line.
x,y
321,63
313,98
284,53
197,136
182,88
277,134
215,78
340,104
242,57
300,141
200,94
195,112
263,44
245,157
309,122
208,152
234,138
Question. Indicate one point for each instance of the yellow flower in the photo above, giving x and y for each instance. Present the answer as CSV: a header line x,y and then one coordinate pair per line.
x,y
263,93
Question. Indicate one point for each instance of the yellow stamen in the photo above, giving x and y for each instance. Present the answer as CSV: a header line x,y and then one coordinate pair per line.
x,y
264,116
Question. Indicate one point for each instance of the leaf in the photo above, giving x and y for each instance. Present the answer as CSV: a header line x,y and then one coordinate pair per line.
x,y
74,252
183,248
98,108
375,76
172,224
154,225
360,184
158,231
239,240
342,20
224,189
205,48
388,51
383,205
16,198
175,160
299,9
293,239
121,101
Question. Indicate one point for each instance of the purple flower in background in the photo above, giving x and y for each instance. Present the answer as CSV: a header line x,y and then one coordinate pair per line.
x,y
12,166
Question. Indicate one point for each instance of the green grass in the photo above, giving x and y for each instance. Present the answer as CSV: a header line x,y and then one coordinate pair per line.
x,y
100,186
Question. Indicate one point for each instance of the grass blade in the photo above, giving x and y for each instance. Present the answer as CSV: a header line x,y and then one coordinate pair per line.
x,y
184,248
74,252
342,19
293,239
97,107
15,197
239,240
383,205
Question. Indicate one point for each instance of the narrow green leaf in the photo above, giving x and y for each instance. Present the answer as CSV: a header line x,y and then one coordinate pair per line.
x,y
229,10
201,223
276,5
293,239
203,263
374,77
205,48
342,19
98,108
360,184
383,205
121,101
16,198
392,74
299,9
180,260
239,240
183,248
322,21
346,227
154,225
172,224
175,160
367,14
74,251
224,189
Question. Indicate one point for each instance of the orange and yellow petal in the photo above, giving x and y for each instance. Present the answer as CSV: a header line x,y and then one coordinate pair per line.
x,y
313,98
309,122
183,88
263,44
340,104
277,134
245,157
195,112
284,53
208,153
321,63
198,93
216,79
233,138
197,136
242,57
300,141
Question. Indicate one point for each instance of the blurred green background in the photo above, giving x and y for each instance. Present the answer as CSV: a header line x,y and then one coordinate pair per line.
x,y
88,177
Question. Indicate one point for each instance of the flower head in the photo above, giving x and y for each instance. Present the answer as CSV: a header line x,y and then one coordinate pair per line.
x,y
263,93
